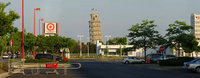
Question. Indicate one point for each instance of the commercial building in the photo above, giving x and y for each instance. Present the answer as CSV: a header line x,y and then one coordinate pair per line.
x,y
195,22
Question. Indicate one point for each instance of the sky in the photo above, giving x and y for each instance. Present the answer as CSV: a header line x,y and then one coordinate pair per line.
x,y
116,16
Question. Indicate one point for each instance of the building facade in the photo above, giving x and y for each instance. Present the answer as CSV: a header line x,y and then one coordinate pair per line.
x,y
112,50
195,22
95,28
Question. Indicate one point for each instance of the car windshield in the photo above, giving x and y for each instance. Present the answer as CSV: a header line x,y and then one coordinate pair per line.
x,y
195,60
5,54
156,55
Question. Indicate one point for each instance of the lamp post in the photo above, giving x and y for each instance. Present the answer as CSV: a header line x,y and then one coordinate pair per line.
x,y
36,47
80,36
22,29
127,40
35,9
107,36
88,45
39,24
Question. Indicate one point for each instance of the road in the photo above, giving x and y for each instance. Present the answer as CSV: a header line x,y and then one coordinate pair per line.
x,y
116,70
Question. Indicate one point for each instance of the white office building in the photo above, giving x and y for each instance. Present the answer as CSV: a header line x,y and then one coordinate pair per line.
x,y
195,22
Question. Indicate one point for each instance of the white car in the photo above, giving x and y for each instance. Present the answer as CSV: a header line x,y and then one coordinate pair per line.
x,y
5,56
165,57
193,65
127,60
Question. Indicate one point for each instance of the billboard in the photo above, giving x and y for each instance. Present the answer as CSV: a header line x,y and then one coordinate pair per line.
x,y
50,28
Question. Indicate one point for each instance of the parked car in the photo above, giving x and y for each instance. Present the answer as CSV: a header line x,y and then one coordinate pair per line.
x,y
127,60
153,57
45,56
58,58
5,56
11,56
165,57
193,65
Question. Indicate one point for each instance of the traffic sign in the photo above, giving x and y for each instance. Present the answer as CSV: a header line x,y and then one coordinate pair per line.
x,y
162,48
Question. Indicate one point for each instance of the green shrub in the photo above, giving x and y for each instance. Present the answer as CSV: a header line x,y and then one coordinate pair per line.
x,y
30,57
175,62
63,61
12,61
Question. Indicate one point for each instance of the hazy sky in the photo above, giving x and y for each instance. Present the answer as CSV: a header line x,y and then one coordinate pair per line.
x,y
116,16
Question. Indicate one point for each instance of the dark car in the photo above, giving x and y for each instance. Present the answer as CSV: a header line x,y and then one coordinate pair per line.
x,y
58,58
43,56
154,57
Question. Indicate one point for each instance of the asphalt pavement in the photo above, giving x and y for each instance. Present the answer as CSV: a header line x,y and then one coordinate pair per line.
x,y
115,70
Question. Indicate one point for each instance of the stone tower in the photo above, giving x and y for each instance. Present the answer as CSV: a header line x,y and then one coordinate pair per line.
x,y
95,28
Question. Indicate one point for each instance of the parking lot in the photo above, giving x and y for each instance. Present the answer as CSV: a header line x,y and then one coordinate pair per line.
x,y
116,70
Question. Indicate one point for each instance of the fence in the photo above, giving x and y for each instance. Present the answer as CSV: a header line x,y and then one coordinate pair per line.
x,y
83,54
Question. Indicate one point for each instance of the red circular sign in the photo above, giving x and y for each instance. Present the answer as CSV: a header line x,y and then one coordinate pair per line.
x,y
50,26
162,48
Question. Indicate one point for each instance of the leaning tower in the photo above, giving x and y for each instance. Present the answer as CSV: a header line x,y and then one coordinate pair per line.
x,y
95,28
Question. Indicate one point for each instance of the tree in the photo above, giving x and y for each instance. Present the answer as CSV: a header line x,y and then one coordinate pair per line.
x,y
29,42
41,42
3,43
117,41
177,34
69,43
92,47
17,38
7,19
189,43
106,51
77,48
143,35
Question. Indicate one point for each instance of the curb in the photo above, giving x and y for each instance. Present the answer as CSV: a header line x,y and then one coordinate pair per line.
x,y
173,68
4,75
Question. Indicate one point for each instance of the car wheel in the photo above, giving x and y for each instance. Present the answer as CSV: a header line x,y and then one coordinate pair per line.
x,y
197,69
143,62
126,62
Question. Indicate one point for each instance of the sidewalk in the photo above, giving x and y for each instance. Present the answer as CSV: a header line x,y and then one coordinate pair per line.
x,y
4,75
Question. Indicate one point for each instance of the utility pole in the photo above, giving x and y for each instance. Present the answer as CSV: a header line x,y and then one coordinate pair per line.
x,y
80,36
88,45
107,36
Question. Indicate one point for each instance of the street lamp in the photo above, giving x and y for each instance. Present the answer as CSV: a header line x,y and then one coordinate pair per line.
x,y
107,36
39,24
127,40
80,36
35,9
36,47
22,29
88,45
